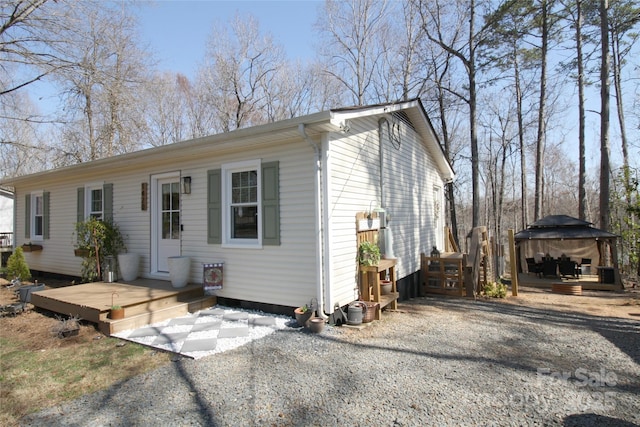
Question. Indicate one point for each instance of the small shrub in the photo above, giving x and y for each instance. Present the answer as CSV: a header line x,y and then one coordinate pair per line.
x,y
17,266
368,254
495,290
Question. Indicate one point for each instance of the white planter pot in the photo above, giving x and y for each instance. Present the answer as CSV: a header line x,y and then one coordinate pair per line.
x,y
179,270
128,263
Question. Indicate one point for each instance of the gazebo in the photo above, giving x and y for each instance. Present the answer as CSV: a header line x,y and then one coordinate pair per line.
x,y
562,236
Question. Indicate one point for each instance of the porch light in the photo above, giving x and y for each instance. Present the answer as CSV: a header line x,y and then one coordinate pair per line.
x,y
186,185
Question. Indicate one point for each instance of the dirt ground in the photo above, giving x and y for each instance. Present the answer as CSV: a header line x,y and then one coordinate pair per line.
x,y
622,304
35,327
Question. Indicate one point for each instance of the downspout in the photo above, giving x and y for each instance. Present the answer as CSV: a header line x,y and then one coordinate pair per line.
x,y
382,121
320,259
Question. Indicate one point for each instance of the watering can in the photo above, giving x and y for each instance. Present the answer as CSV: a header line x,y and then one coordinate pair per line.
x,y
355,312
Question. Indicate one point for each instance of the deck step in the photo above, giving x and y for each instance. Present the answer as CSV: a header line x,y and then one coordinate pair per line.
x,y
154,314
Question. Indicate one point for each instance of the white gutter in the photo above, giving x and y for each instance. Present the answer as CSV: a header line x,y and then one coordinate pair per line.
x,y
320,259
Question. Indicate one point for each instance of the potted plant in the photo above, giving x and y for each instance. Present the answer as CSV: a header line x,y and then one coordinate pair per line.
x,y
368,254
95,240
303,315
116,312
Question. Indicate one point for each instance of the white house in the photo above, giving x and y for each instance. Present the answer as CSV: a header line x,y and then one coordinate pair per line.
x,y
276,203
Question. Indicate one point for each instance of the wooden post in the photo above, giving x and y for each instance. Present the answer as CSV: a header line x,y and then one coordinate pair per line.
x,y
513,263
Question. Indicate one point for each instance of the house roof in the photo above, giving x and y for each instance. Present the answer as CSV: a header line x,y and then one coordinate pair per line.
x,y
314,126
559,227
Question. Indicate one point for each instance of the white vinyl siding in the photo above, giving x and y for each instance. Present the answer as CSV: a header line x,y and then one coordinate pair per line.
x,y
283,275
409,177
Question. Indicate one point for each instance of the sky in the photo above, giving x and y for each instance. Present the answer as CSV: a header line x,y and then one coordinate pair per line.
x,y
177,31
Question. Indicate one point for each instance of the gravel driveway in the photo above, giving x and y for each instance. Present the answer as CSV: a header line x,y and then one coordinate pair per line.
x,y
436,361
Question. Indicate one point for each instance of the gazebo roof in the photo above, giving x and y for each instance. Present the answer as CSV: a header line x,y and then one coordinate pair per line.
x,y
558,227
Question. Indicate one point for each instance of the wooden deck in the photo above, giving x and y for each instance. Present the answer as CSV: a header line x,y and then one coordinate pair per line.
x,y
587,281
145,301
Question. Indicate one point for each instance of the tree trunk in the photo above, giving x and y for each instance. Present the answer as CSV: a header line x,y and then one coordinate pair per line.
x,y
582,179
540,140
604,116
617,85
475,172
523,158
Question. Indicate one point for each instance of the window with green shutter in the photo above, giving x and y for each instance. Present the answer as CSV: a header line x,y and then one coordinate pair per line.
x,y
36,224
243,204
94,201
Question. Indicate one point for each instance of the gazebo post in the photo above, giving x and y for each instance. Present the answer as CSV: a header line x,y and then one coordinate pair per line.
x,y
514,263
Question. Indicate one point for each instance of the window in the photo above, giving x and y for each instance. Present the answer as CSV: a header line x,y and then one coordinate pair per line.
x,y
95,200
36,216
241,194
171,210
37,204
243,204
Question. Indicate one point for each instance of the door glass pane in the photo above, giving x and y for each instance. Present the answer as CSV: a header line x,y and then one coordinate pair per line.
x,y
166,225
175,196
175,225
166,197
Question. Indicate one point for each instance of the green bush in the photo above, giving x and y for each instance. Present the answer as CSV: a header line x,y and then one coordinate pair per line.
x,y
495,290
17,266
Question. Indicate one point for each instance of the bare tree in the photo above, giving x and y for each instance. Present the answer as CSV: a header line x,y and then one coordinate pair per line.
x,y
238,70
166,110
502,130
605,166
574,12
436,17
512,25
354,31
21,149
624,16
26,38
545,23
103,84
444,108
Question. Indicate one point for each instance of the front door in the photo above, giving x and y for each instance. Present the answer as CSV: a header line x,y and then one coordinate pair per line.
x,y
166,220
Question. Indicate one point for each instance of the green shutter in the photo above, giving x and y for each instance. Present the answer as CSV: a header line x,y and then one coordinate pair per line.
x,y
214,206
107,202
270,204
80,205
27,216
45,215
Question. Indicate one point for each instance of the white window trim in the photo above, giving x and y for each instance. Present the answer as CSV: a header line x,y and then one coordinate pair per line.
x,y
87,197
227,170
32,216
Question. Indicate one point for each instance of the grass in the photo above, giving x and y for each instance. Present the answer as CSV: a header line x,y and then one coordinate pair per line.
x,y
32,379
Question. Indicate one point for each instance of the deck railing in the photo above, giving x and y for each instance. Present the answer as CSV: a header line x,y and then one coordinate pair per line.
x,y
6,239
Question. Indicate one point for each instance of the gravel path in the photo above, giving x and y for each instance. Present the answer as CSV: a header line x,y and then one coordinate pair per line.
x,y
436,361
